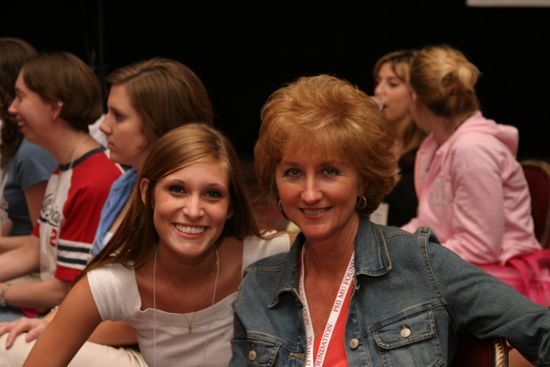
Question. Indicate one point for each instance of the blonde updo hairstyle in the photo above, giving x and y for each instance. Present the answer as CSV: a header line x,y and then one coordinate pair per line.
x,y
327,113
444,80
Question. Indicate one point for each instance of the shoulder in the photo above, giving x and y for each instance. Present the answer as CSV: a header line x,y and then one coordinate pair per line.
x,y
29,152
95,170
97,160
127,178
400,242
256,248
480,137
421,247
125,182
111,272
477,151
111,280
28,147
114,290
475,141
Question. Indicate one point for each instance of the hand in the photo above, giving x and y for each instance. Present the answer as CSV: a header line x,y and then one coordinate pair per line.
x,y
33,328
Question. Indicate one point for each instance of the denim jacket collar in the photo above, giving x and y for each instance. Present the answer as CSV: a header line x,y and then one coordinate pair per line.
x,y
371,259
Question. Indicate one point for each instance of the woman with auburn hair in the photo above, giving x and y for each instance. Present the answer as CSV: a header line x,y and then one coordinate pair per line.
x,y
173,267
350,292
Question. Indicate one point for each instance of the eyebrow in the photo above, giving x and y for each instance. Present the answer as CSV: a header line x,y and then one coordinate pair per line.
x,y
208,185
328,162
115,110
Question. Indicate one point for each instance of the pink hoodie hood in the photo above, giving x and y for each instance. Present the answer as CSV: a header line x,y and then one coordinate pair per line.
x,y
507,134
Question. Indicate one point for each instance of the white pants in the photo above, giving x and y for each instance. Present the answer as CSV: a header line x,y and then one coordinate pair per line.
x,y
90,355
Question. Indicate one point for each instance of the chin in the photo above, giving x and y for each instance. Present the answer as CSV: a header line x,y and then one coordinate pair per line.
x,y
315,234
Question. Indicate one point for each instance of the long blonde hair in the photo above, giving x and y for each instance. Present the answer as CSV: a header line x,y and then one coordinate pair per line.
x,y
400,63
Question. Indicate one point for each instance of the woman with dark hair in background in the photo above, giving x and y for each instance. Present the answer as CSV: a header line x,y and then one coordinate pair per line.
x,y
26,167
57,97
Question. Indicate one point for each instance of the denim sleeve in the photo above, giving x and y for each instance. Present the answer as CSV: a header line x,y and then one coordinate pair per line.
x,y
485,307
238,349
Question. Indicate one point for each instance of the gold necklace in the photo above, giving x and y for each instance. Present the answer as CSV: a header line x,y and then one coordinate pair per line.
x,y
189,322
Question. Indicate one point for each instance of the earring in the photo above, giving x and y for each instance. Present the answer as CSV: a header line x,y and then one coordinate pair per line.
x,y
361,202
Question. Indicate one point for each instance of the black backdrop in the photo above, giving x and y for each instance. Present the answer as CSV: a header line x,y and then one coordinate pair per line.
x,y
244,52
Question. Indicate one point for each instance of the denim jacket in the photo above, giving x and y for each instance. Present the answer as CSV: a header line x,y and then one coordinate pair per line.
x,y
402,280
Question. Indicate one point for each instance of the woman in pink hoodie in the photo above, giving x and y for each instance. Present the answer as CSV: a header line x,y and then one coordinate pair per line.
x,y
472,191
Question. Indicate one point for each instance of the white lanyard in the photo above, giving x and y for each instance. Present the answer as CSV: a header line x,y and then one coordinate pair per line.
x,y
334,314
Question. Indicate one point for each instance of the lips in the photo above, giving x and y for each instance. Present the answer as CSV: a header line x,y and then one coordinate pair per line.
x,y
314,212
190,229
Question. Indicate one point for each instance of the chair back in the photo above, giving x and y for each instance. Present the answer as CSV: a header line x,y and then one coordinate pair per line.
x,y
480,353
537,174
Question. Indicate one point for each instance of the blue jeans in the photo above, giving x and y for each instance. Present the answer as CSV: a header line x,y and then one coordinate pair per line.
x,y
8,314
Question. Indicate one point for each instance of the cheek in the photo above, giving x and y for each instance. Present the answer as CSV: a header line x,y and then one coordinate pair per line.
x,y
163,210
286,192
219,213
157,214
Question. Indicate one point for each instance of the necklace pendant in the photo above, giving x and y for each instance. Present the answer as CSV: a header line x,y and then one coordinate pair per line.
x,y
189,327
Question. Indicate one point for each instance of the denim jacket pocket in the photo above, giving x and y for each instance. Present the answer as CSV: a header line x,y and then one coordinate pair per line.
x,y
409,341
265,351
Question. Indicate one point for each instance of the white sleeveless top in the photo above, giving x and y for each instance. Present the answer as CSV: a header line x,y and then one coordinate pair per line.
x,y
116,296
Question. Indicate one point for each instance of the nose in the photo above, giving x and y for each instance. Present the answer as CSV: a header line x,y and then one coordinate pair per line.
x,y
13,106
105,125
192,207
311,192
380,89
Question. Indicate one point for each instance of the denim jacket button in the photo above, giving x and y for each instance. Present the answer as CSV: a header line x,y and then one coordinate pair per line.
x,y
405,332
252,355
354,343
